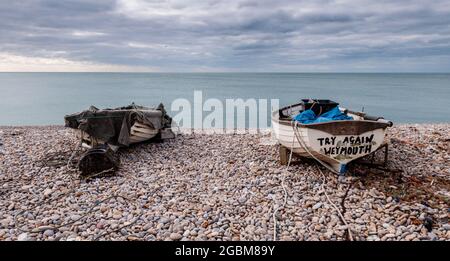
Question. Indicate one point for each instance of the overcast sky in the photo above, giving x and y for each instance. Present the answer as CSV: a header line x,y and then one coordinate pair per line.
x,y
214,35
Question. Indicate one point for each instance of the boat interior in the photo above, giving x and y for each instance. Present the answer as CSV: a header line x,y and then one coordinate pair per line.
x,y
320,106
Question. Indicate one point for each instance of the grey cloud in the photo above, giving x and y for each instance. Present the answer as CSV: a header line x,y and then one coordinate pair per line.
x,y
233,35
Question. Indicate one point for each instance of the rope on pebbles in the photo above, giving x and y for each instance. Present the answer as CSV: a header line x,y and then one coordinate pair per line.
x,y
350,236
341,216
285,193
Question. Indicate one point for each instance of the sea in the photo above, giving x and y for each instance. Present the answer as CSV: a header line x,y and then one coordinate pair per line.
x,y
45,98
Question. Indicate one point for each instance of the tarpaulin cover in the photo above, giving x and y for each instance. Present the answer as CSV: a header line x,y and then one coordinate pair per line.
x,y
308,116
113,125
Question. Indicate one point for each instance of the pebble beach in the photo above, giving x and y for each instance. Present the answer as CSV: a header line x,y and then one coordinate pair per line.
x,y
223,187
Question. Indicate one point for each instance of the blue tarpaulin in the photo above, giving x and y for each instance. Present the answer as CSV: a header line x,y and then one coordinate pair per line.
x,y
308,116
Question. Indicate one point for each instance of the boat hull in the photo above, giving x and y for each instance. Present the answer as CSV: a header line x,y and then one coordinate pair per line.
x,y
336,143
139,132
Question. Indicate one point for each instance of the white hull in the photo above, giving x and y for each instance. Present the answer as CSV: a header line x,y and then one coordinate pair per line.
x,y
335,150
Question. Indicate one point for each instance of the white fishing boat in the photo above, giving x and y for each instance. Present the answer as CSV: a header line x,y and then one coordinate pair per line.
x,y
333,143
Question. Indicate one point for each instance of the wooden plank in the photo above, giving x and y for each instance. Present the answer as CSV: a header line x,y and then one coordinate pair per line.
x,y
137,124
284,155
143,135
144,130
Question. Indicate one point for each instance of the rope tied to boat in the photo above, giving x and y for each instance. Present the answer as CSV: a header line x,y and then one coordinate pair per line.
x,y
303,144
350,236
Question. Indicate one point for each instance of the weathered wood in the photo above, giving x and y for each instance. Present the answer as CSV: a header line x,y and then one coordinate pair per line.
x,y
142,135
336,143
140,132
144,130
339,127
140,125
284,155
347,127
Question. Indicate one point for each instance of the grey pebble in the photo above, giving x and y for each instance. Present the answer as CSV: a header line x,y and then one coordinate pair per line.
x,y
175,236
214,187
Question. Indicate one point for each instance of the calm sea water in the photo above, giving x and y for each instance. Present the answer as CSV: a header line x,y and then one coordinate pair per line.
x,y
44,98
